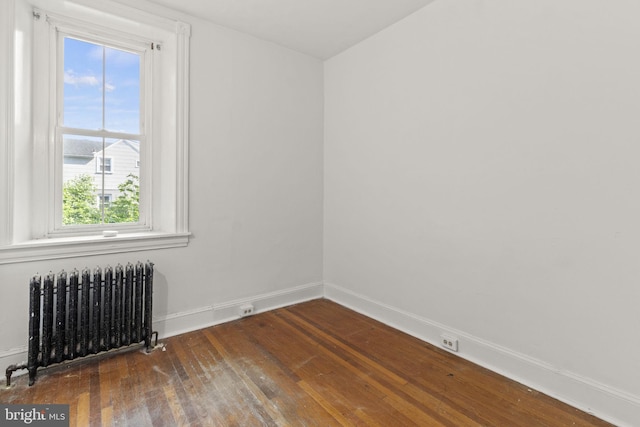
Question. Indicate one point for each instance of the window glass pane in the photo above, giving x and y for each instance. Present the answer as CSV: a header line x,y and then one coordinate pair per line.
x,y
101,87
100,180
81,181
122,180
82,84
122,94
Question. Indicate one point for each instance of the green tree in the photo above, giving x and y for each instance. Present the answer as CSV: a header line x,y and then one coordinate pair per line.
x,y
126,208
79,201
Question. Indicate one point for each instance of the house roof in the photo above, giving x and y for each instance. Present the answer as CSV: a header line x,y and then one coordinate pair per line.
x,y
87,147
82,147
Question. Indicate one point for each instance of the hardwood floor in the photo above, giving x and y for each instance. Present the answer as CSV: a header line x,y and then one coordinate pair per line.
x,y
312,364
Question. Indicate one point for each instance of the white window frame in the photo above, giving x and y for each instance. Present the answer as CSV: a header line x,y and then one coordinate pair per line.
x,y
30,161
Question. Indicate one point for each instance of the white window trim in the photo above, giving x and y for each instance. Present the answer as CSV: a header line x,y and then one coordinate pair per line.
x,y
172,231
7,120
70,247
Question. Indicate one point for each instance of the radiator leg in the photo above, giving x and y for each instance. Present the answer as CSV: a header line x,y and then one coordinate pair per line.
x,y
148,341
32,375
11,369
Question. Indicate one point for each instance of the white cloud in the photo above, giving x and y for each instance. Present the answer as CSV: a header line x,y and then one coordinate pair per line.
x,y
70,77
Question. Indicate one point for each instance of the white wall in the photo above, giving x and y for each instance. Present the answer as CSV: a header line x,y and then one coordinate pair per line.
x,y
255,191
482,177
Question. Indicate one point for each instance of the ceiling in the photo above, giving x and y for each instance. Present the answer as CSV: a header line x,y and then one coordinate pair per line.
x,y
320,28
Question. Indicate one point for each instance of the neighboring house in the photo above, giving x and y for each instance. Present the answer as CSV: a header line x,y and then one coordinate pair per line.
x,y
84,157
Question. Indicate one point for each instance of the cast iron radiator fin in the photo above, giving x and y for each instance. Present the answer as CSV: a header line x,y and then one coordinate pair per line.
x,y
85,313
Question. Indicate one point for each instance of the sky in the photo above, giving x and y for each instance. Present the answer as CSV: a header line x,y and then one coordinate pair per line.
x,y
84,89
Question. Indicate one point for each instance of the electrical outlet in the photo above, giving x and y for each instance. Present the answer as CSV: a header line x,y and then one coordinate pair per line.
x,y
449,342
245,310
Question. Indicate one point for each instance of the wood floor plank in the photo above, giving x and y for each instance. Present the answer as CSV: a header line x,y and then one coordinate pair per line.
x,y
265,412
106,416
404,406
398,384
326,405
311,364
278,384
440,400
83,410
176,408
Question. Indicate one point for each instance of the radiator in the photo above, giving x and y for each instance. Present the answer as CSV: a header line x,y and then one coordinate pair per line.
x,y
77,314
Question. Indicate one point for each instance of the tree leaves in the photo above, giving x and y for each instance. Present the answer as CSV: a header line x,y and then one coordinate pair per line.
x,y
80,202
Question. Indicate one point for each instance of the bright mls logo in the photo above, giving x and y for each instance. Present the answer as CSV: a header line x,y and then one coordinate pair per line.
x,y
37,415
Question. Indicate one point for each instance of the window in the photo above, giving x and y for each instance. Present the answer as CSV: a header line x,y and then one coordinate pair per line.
x,y
104,201
102,143
103,165
102,90
101,94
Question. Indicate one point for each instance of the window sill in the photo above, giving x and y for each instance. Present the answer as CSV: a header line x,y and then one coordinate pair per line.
x,y
69,247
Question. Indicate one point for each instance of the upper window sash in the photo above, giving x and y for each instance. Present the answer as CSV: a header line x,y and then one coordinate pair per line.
x,y
111,39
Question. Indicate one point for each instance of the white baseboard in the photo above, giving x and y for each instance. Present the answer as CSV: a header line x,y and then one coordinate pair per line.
x,y
615,406
203,317
187,321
